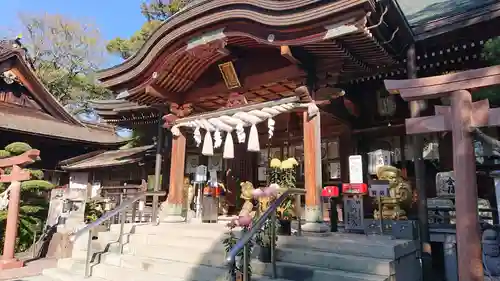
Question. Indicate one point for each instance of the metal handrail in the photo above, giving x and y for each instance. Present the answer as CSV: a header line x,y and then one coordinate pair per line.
x,y
121,209
257,226
110,214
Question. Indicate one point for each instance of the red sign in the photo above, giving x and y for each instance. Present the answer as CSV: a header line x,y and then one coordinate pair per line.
x,y
354,188
330,191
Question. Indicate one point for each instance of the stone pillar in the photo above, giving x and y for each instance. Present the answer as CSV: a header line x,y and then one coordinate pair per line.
x,y
171,210
464,166
312,174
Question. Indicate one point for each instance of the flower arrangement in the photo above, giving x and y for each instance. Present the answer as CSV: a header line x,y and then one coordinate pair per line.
x,y
283,173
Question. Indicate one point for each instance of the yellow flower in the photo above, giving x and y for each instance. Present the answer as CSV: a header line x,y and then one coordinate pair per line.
x,y
287,164
293,161
275,163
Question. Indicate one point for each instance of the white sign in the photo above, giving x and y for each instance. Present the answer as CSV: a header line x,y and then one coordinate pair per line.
x,y
379,189
192,162
215,163
355,169
445,184
200,174
213,177
262,173
78,180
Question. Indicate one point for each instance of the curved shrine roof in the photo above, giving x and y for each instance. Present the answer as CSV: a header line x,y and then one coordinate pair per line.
x,y
342,36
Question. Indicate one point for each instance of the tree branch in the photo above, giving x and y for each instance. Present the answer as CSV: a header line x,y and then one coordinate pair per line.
x,y
495,144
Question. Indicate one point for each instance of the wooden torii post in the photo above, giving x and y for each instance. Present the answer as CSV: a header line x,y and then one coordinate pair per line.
x,y
459,118
15,177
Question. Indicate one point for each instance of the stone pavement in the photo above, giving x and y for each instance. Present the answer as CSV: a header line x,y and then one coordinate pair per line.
x,y
32,268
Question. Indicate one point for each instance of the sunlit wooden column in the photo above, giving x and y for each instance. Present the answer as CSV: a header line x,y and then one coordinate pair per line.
x,y
171,210
312,174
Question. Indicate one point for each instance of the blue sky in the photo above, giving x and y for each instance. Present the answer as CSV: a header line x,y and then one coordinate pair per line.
x,y
112,17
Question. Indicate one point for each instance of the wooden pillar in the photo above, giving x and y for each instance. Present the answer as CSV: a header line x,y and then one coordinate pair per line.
x,y
312,174
464,166
160,140
172,208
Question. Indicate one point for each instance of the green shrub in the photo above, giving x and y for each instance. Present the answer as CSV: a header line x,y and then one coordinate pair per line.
x,y
17,148
4,154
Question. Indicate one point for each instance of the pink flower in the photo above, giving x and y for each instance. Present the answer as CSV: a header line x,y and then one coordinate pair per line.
x,y
271,190
258,193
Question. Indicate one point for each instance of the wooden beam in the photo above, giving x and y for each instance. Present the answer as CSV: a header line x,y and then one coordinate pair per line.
x,y
427,124
233,110
249,82
153,90
439,86
286,52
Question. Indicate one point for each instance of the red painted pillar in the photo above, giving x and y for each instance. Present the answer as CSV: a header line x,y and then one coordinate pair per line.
x,y
464,165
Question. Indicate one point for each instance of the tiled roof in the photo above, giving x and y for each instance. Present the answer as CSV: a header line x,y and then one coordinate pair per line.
x,y
110,158
34,122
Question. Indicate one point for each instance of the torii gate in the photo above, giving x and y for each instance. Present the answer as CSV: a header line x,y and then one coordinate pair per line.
x,y
460,119
13,192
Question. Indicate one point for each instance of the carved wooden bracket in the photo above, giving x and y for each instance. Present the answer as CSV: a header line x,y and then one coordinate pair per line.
x,y
236,99
182,110
26,158
178,111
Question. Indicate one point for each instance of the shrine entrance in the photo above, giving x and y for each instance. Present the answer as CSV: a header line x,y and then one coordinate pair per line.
x,y
460,118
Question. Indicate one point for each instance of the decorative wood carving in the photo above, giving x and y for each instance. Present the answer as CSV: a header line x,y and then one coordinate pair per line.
x,y
236,99
181,110
178,111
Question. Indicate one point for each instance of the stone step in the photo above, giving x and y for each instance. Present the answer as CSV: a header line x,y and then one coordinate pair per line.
x,y
59,274
335,261
299,272
379,247
119,268
214,256
32,278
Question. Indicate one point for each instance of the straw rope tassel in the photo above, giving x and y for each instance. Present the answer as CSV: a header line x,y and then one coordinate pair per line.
x,y
228,147
253,139
208,145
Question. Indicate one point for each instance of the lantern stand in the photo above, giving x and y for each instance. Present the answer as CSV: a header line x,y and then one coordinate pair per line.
x,y
330,194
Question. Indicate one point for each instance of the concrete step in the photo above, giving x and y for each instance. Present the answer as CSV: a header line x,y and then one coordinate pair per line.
x,y
59,274
378,247
299,272
32,278
214,255
335,261
119,268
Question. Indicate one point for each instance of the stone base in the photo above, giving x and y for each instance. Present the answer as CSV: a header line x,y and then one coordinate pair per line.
x,y
226,219
173,219
315,227
170,213
10,264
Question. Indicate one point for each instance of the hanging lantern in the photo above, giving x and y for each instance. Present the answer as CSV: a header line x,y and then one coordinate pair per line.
x,y
386,103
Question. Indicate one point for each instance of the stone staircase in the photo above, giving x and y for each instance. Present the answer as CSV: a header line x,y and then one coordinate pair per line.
x,y
194,252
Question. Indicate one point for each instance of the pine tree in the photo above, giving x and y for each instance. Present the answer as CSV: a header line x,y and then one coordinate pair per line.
x,y
34,204
155,12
